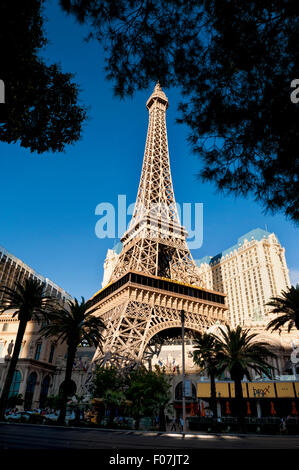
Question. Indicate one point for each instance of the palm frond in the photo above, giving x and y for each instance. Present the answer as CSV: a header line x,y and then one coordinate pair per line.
x,y
28,300
75,324
239,351
287,307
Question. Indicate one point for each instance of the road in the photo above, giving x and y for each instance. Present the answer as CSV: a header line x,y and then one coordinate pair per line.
x,y
24,436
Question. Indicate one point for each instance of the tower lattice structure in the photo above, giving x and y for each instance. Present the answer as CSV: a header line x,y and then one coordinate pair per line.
x,y
155,276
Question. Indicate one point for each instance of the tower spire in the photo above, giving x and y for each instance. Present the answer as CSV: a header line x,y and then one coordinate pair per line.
x,y
155,194
155,242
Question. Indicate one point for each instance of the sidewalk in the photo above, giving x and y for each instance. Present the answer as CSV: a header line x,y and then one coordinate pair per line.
x,y
152,433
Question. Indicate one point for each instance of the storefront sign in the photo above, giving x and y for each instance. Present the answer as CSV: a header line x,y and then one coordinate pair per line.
x,y
255,389
222,390
285,390
203,390
261,390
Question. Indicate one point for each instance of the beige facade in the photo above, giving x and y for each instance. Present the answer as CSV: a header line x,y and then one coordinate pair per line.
x,y
249,273
41,365
36,369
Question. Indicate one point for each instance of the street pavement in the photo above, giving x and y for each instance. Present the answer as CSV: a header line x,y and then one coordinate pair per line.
x,y
25,436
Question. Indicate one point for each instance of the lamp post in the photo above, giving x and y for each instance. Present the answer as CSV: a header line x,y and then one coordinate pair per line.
x,y
183,369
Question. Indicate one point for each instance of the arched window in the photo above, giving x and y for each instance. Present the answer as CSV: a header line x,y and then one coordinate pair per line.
x,y
15,384
44,391
31,382
179,392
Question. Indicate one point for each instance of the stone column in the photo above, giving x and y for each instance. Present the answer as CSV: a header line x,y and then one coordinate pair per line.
x,y
36,393
25,373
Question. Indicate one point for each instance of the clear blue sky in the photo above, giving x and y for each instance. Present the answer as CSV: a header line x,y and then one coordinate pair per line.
x,y
48,201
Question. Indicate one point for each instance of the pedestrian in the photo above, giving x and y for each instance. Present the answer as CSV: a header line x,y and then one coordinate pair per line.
x,y
173,424
283,426
182,424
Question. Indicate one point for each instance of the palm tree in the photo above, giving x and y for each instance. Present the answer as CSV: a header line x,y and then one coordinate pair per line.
x,y
288,305
73,325
206,357
239,352
29,302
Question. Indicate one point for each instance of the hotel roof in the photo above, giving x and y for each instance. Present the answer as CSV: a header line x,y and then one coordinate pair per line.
x,y
255,234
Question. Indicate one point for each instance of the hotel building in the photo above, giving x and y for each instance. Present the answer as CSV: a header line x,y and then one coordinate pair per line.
x,y
250,273
41,364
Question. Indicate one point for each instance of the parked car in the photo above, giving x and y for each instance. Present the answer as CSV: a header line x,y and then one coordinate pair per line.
x,y
18,416
51,416
54,416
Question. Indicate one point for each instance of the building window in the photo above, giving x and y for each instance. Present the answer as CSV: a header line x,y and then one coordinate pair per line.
x,y
30,390
5,327
15,384
51,353
179,392
37,351
44,391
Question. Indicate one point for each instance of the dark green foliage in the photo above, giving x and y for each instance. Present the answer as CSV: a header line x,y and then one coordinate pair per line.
x,y
286,304
106,379
150,394
233,62
42,101
53,402
148,391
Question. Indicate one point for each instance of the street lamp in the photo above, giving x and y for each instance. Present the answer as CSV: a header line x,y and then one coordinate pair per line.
x,y
183,369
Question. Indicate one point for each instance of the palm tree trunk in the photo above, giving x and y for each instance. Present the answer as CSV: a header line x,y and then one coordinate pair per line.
x,y
239,403
213,399
71,352
162,421
12,367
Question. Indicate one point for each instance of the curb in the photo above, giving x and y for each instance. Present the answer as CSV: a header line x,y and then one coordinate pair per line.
x,y
145,433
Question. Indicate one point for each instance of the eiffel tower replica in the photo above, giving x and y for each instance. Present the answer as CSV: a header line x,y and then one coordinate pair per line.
x,y
155,277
